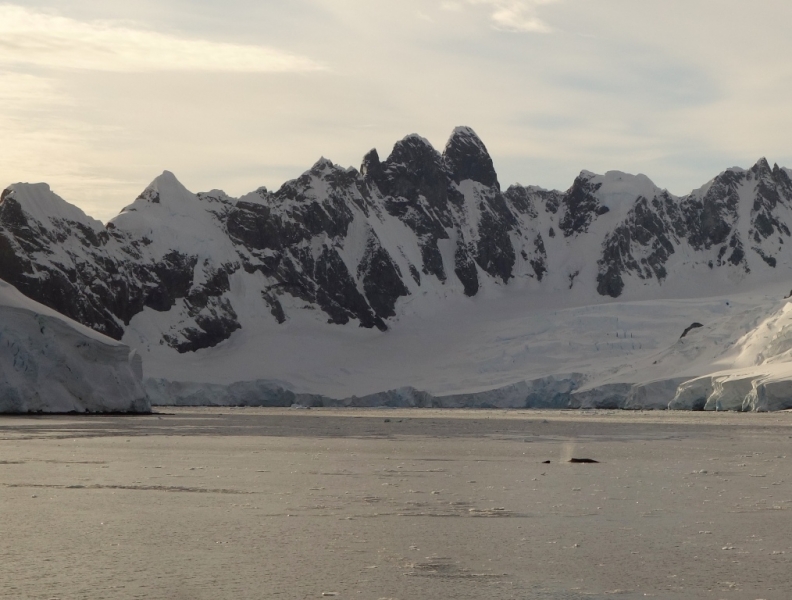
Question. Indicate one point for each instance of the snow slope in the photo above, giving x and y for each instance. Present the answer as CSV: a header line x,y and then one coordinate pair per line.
x,y
49,363
473,346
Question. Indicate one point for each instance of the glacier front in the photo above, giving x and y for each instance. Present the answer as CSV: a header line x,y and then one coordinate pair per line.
x,y
49,363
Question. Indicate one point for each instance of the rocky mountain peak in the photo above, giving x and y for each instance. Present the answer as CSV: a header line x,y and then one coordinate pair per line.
x,y
413,169
164,188
413,151
580,206
323,164
466,157
371,167
762,168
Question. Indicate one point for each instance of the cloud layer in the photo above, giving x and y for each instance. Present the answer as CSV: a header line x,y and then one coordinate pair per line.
x,y
29,37
98,97
516,15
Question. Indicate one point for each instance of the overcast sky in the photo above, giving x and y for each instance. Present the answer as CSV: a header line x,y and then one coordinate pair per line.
x,y
97,97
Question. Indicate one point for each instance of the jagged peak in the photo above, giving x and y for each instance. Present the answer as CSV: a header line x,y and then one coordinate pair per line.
x,y
323,164
414,138
412,146
762,166
371,165
166,185
165,191
165,180
413,151
464,130
727,176
466,157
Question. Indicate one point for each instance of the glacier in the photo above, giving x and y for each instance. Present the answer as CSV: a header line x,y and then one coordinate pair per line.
x,y
618,355
49,363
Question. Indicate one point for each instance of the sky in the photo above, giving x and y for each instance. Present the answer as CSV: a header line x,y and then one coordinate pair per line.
x,y
97,97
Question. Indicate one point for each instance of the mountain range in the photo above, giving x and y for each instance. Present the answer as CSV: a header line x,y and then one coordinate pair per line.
x,y
336,281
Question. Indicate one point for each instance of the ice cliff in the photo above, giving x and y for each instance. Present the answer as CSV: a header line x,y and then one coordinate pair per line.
x,y
49,363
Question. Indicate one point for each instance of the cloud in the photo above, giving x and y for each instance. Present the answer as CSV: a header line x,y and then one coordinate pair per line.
x,y
20,91
29,37
516,15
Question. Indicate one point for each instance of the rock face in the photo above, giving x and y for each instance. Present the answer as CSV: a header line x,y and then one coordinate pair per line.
x,y
352,247
736,222
349,244
51,364
150,256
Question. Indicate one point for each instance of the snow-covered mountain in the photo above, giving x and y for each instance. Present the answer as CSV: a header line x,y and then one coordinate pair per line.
x,y
350,281
49,363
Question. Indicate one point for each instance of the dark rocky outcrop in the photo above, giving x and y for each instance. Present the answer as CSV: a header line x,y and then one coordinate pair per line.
x,y
466,158
580,207
641,245
690,328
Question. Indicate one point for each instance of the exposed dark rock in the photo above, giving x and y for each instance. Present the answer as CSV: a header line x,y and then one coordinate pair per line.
x,y
414,172
641,245
521,201
710,219
690,328
609,283
466,157
580,207
382,279
494,250
337,294
539,262
465,270
415,274
371,168
210,330
276,308
415,183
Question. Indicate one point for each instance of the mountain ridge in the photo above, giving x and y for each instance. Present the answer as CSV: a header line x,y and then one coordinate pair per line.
x,y
353,245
